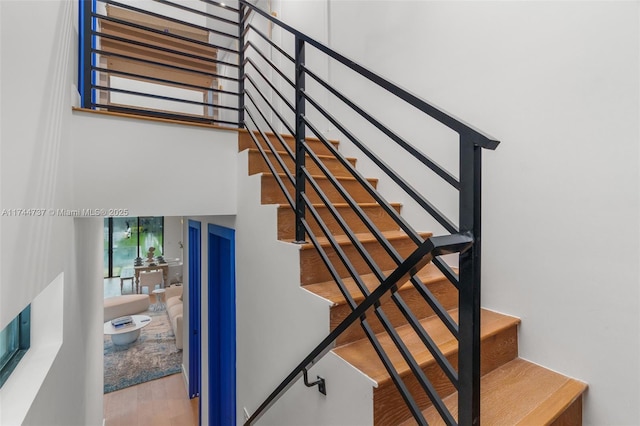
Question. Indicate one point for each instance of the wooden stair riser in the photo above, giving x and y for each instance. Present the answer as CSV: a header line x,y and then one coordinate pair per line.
x,y
442,289
390,408
245,141
313,270
384,222
258,165
272,194
571,416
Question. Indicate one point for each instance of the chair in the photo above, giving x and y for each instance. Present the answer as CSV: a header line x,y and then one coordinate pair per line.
x,y
150,279
126,274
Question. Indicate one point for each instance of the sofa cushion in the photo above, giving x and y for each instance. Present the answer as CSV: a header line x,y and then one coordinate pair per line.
x,y
129,304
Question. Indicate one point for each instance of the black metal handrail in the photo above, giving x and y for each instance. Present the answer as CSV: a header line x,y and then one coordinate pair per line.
x,y
468,184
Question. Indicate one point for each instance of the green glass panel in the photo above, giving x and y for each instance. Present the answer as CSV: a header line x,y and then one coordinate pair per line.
x,y
125,243
151,235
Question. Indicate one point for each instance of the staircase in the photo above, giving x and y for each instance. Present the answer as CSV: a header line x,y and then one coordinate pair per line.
x,y
513,391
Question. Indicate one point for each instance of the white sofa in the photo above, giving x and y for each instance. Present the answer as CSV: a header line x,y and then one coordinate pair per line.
x,y
129,304
173,299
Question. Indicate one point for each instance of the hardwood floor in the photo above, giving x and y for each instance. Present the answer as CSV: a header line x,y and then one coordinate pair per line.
x,y
161,402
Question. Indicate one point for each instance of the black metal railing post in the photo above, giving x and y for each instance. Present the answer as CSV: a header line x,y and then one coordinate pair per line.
x,y
241,13
469,287
85,63
300,137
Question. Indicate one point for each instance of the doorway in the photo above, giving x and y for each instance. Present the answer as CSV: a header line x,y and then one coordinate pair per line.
x,y
195,280
222,325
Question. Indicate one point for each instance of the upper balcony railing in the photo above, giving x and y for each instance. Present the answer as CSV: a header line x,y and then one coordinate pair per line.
x,y
166,59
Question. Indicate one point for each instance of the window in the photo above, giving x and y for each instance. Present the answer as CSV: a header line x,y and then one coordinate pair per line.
x,y
126,238
15,340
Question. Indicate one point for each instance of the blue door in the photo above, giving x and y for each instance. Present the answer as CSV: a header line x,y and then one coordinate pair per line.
x,y
195,283
222,326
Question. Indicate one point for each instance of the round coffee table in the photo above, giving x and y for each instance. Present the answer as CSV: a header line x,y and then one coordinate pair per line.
x,y
126,335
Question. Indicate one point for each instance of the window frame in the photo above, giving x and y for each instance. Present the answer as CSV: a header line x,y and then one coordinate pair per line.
x,y
23,340
109,249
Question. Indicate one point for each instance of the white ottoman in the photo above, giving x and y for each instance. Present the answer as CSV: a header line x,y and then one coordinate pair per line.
x,y
129,304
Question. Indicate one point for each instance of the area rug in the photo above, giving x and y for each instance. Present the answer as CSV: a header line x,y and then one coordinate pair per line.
x,y
152,356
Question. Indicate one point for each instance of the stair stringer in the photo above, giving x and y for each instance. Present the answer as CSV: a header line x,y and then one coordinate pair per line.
x,y
279,323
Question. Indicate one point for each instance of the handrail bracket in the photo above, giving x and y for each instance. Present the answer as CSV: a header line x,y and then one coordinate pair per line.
x,y
322,387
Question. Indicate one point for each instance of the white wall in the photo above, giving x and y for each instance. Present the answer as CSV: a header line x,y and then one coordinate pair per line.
x,y
152,169
35,252
173,237
557,82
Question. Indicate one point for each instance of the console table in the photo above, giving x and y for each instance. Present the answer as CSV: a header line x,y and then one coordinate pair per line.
x,y
163,266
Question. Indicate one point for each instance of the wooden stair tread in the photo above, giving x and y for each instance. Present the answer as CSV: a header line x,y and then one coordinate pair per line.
x,y
286,136
361,354
320,177
518,393
342,205
285,154
330,291
363,237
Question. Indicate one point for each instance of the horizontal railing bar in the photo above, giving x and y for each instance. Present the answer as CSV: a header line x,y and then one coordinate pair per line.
x,y
268,40
427,341
275,111
436,306
198,12
159,80
221,5
166,98
276,68
447,271
388,208
268,81
162,33
434,246
162,114
373,266
247,13
422,289
168,18
435,167
162,49
264,155
175,67
419,375
400,386
391,251
430,208
476,136
278,136
245,31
